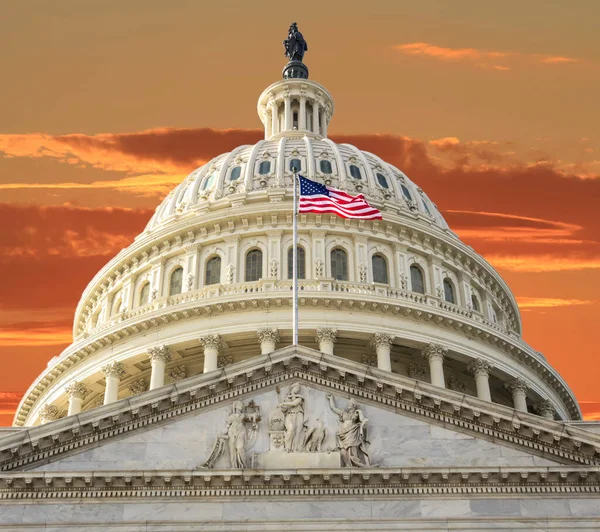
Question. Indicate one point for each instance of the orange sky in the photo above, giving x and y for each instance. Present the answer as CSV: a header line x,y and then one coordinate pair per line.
x,y
491,108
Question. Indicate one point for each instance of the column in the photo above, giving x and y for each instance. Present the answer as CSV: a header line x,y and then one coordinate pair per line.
x,y
190,268
326,337
159,356
113,373
49,413
481,370
76,392
518,388
382,342
268,338
323,122
274,118
211,344
287,112
545,409
435,353
315,117
302,117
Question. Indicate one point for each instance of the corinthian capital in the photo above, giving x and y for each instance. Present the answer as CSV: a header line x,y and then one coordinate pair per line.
x,y
76,390
382,340
517,385
114,369
211,341
268,335
326,334
479,367
50,413
160,352
433,351
545,408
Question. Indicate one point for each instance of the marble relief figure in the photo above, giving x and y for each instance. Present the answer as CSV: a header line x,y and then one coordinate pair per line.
x,y
293,409
238,437
352,434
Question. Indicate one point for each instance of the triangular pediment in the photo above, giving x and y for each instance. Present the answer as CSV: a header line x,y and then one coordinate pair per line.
x,y
410,423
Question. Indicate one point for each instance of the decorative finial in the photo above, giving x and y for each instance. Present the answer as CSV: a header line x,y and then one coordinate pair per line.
x,y
295,47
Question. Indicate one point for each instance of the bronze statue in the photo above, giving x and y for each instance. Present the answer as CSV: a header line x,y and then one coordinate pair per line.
x,y
295,45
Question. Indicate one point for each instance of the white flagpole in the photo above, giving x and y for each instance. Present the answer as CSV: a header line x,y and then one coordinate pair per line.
x,y
295,259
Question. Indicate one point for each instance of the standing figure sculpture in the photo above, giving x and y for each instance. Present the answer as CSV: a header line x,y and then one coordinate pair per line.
x,y
352,434
293,409
295,45
237,437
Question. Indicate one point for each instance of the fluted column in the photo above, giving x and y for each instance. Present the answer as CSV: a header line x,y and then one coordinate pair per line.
x,y
211,344
326,337
274,118
545,409
268,338
113,373
159,356
435,353
323,128
76,392
518,388
382,342
302,117
287,112
315,117
481,370
49,413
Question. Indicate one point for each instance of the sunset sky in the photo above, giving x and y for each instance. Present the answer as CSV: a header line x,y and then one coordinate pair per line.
x,y
491,107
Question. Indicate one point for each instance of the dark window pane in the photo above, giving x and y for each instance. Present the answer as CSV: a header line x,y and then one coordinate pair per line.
x,y
355,172
325,166
176,282
339,264
235,173
475,303
426,207
254,265
406,192
382,181
295,163
301,261
449,291
264,167
380,271
145,294
416,279
208,182
213,271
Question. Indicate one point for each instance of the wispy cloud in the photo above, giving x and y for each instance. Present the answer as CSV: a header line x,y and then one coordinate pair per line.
x,y
550,302
542,263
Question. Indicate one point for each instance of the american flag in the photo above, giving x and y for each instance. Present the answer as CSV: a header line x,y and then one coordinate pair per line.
x,y
320,199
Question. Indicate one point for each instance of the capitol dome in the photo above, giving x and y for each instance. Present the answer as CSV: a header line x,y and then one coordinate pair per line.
x,y
207,284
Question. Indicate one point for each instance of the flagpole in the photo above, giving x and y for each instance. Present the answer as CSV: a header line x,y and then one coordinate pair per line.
x,y
295,260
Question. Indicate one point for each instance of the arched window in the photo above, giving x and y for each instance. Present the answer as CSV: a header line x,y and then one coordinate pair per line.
x,y
406,192
295,120
355,172
116,306
449,291
213,271
301,261
382,181
208,182
339,264
176,281
264,167
417,282
144,294
236,172
426,206
325,166
254,265
475,303
380,270
295,163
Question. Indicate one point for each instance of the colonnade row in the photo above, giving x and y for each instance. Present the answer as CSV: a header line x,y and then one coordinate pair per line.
x,y
326,337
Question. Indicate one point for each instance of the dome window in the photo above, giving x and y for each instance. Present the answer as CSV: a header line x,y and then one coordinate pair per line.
x,y
355,172
382,181
213,271
295,163
380,270
339,264
235,174
144,294
427,207
449,291
295,120
254,262
325,166
301,263
209,181
417,281
406,192
116,307
475,303
264,167
176,282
